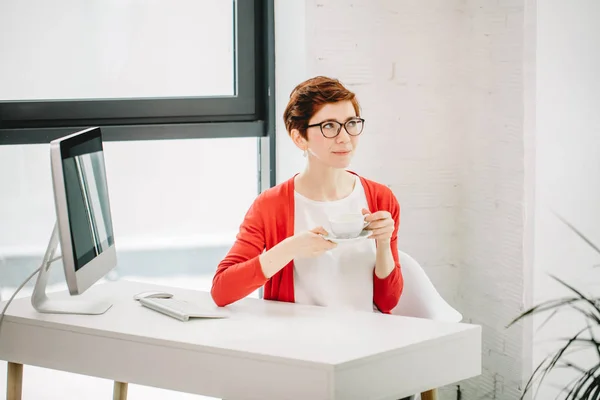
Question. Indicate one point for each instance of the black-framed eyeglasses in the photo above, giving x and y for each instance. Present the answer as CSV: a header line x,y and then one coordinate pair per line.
x,y
331,129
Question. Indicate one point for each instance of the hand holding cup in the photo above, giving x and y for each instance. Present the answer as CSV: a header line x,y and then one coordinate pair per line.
x,y
381,225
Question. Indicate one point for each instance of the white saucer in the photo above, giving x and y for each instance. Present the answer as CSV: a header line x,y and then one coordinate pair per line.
x,y
331,237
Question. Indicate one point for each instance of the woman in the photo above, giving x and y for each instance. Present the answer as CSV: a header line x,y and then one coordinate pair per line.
x,y
290,220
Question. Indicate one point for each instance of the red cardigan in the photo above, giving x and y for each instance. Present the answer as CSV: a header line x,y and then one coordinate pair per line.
x,y
270,220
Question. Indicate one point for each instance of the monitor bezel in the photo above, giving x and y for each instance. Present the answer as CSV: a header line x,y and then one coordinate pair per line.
x,y
78,280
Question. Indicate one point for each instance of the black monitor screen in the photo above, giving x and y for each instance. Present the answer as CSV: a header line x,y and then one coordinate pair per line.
x,y
87,198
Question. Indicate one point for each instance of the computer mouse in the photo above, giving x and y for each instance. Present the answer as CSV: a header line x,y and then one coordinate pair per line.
x,y
153,294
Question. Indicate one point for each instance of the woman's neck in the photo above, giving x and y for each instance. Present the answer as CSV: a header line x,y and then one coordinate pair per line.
x,y
324,183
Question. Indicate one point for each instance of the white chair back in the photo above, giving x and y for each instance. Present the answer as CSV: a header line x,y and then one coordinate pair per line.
x,y
419,297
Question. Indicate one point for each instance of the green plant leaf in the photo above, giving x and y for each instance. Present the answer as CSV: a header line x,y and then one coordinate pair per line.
x,y
578,293
586,386
549,363
543,307
578,233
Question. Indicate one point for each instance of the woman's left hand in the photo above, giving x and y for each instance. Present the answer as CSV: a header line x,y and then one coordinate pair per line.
x,y
381,225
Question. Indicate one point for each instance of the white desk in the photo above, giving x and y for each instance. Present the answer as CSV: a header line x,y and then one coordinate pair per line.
x,y
265,350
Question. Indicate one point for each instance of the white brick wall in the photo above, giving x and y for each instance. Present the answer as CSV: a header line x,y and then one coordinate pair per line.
x,y
492,181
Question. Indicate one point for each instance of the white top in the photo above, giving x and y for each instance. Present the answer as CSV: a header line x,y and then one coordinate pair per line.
x,y
342,277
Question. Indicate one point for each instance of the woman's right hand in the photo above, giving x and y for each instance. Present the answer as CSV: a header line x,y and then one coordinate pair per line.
x,y
302,245
310,243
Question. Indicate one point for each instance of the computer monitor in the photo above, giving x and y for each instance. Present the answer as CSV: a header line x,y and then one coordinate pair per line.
x,y
83,226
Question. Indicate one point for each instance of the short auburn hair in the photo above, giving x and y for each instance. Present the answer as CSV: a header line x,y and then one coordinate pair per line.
x,y
310,96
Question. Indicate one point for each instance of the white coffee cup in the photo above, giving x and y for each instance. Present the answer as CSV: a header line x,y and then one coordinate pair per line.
x,y
348,225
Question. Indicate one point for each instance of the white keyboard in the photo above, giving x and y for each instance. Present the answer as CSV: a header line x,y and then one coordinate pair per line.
x,y
181,309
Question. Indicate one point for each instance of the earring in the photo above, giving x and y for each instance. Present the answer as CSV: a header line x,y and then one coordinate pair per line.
x,y
305,153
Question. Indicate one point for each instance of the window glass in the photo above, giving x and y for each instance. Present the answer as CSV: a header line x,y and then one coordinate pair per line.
x,y
176,207
116,49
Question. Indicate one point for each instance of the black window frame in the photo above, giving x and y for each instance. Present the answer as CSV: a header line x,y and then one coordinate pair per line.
x,y
250,113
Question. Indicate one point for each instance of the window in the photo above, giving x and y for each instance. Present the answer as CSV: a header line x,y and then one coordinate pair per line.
x,y
116,49
174,218
140,69
181,91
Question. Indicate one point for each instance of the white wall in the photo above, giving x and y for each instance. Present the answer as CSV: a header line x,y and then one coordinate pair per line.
x,y
568,162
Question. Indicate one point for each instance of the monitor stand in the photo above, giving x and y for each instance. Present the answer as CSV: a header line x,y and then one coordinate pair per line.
x,y
43,304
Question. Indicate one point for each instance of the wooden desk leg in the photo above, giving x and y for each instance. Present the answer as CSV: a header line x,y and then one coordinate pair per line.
x,y
14,381
120,391
430,395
